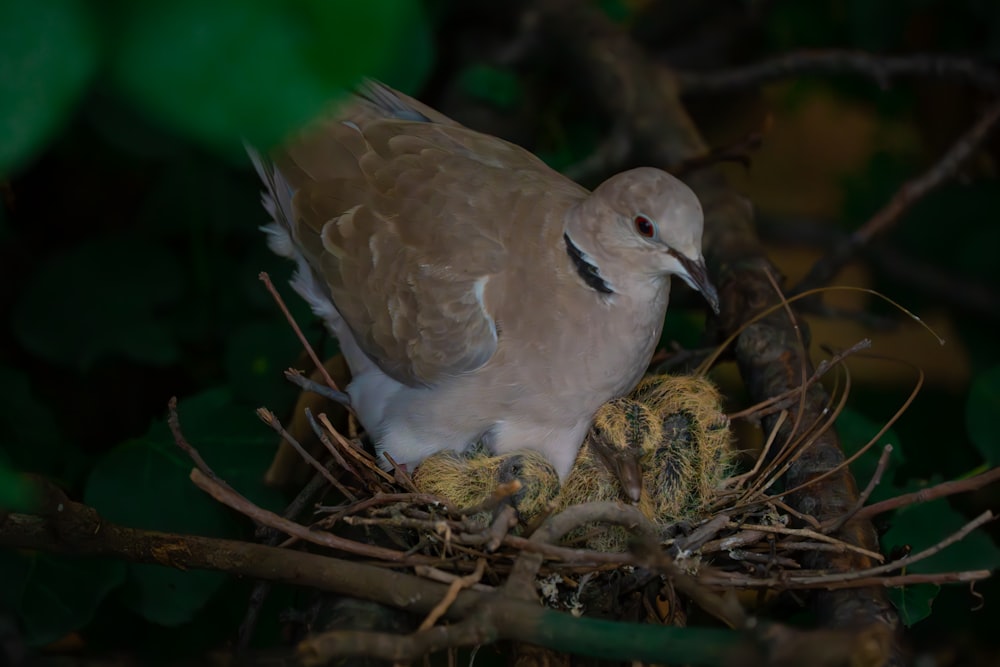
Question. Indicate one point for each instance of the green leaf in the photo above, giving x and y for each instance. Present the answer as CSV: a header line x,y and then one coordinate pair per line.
x,y
99,300
919,527
981,412
230,69
855,430
17,494
144,484
914,602
54,595
29,435
48,52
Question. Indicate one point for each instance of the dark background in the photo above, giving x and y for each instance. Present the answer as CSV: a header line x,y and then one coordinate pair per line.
x,y
129,251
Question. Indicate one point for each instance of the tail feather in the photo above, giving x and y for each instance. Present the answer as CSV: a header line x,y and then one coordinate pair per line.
x,y
388,102
277,200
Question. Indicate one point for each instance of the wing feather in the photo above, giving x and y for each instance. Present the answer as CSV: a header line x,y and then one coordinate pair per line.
x,y
408,222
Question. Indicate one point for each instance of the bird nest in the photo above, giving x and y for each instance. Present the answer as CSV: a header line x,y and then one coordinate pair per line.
x,y
700,525
703,519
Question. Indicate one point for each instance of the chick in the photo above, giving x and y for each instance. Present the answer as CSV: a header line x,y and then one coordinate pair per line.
x,y
610,463
610,467
695,452
623,430
665,448
469,479
672,434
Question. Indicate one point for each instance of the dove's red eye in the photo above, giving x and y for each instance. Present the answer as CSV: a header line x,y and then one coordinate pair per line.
x,y
645,226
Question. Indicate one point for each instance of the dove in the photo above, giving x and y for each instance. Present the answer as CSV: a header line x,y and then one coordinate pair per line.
x,y
478,296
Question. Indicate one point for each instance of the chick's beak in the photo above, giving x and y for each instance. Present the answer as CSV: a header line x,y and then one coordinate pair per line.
x,y
696,275
629,473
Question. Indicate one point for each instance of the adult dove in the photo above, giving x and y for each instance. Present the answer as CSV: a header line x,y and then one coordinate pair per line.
x,y
477,295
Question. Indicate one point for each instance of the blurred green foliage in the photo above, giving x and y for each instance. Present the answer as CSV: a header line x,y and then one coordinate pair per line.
x,y
981,410
220,72
48,53
147,285
53,595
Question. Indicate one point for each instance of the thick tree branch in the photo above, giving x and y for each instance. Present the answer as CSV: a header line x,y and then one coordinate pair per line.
x,y
768,353
75,529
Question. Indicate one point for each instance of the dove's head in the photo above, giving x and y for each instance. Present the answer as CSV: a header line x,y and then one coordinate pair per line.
x,y
653,222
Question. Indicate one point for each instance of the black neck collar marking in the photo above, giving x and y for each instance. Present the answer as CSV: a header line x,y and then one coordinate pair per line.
x,y
590,273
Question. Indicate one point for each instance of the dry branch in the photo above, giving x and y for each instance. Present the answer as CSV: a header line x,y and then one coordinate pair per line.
x,y
835,61
912,191
628,86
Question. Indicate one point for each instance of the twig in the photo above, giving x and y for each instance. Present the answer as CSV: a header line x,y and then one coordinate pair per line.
x,y
501,492
400,521
266,279
297,378
380,498
442,577
789,455
735,541
173,421
701,534
832,61
807,533
764,559
959,291
780,402
505,519
793,323
788,509
911,191
230,498
924,495
271,420
324,648
871,443
358,455
521,581
826,580
913,579
453,588
883,463
400,475
570,555
330,447
738,480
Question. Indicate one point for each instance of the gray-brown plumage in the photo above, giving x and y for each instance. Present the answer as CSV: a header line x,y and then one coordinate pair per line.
x,y
478,296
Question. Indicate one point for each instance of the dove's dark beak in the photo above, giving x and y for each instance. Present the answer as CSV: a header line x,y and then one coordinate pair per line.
x,y
696,275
